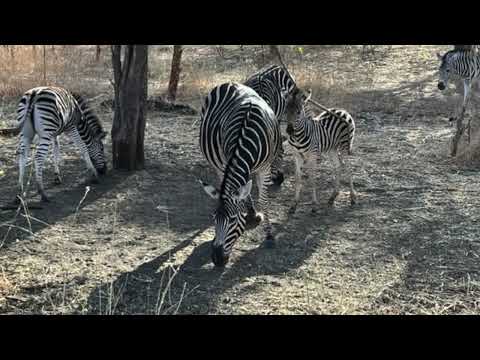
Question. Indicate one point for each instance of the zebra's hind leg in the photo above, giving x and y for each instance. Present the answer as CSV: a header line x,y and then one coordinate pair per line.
x,y
56,161
336,191
263,194
40,156
299,161
23,152
314,165
348,171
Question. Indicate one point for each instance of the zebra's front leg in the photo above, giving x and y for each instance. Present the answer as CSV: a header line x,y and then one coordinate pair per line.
x,y
82,147
299,161
56,161
263,194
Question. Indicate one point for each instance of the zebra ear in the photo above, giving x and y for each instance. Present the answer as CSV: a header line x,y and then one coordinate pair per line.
x,y
210,190
440,57
244,191
308,96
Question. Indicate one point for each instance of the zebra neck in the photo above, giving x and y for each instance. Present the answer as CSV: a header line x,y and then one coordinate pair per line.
x,y
234,178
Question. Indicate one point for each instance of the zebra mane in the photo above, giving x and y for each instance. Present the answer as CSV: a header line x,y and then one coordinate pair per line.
x,y
93,121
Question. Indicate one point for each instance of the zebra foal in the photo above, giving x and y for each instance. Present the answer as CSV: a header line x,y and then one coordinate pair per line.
x,y
310,137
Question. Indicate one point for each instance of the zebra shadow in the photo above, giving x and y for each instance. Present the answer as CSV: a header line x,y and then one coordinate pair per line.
x,y
197,287
74,194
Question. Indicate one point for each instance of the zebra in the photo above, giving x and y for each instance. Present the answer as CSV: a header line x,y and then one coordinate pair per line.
x,y
274,84
240,138
310,137
48,112
463,65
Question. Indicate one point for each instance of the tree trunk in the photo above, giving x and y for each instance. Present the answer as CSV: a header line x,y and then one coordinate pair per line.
x,y
275,55
175,73
130,75
98,51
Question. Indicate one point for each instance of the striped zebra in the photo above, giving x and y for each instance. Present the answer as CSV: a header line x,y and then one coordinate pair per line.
x,y
48,112
274,84
310,137
463,65
240,138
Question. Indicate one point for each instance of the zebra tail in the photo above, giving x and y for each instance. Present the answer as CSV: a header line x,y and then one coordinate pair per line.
x,y
28,115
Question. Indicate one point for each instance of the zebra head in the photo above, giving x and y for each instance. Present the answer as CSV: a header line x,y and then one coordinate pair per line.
x,y
296,108
97,152
230,218
445,70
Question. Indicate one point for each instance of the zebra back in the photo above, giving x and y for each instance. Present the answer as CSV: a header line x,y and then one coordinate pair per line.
x,y
273,84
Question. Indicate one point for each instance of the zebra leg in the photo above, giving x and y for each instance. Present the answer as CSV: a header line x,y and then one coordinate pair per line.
x,y
23,152
40,156
467,87
313,171
84,153
299,161
277,174
348,171
263,193
336,175
56,160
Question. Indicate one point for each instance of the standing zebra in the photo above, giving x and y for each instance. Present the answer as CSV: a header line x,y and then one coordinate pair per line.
x,y
240,137
463,65
274,84
48,112
310,137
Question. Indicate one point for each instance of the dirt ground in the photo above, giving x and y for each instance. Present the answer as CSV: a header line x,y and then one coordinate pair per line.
x,y
139,243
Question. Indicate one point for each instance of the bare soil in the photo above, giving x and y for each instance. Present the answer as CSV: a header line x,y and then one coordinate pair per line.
x,y
139,243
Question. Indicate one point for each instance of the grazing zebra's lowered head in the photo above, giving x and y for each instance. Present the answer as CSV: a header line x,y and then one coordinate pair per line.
x,y
230,219
94,135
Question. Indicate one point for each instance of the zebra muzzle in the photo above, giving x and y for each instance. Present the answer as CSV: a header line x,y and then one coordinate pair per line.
x,y
441,86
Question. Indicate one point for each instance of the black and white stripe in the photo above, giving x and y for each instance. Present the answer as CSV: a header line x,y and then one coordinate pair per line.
x,y
240,137
48,112
274,84
310,137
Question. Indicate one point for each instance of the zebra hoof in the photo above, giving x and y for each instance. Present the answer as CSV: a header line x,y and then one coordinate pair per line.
x,y
45,199
353,201
292,210
57,180
314,210
270,242
94,180
278,179
253,220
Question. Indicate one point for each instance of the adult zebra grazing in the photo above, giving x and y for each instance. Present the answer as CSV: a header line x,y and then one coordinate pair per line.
x,y
48,112
310,137
464,65
274,84
240,137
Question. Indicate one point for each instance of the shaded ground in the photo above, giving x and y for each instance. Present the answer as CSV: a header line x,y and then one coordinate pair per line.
x,y
139,243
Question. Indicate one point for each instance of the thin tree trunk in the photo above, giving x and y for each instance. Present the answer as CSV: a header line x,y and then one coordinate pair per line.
x,y
175,73
97,53
130,75
44,65
275,55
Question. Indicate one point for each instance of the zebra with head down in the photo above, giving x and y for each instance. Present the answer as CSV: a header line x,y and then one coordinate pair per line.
x,y
49,112
240,138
